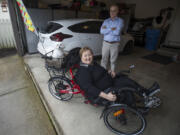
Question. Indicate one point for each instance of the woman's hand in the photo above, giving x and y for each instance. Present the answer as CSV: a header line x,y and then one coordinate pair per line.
x,y
112,73
114,28
104,27
109,96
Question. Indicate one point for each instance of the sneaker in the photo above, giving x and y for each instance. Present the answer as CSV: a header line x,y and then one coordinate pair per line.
x,y
155,88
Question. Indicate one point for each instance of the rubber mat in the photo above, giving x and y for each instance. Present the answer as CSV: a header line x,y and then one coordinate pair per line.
x,y
158,58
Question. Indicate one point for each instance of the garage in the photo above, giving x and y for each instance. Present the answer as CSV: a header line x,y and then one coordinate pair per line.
x,y
149,47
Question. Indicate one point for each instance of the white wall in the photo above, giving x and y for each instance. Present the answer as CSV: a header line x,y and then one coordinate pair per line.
x,y
146,8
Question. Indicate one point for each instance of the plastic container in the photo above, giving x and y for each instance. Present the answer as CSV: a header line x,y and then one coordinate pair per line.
x,y
152,37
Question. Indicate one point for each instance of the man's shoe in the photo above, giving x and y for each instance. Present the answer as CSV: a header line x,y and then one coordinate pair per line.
x,y
155,88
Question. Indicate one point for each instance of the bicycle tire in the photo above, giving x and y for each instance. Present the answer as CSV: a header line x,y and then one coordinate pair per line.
x,y
60,82
117,126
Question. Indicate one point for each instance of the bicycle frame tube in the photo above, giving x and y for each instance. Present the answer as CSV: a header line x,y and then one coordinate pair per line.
x,y
79,91
75,86
68,92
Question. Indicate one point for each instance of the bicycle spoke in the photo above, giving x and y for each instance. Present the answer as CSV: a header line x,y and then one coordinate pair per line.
x,y
128,122
60,83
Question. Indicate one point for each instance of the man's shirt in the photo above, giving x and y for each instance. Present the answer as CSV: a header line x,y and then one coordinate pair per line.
x,y
109,34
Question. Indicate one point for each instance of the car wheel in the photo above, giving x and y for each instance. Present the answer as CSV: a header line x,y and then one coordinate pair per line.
x,y
128,47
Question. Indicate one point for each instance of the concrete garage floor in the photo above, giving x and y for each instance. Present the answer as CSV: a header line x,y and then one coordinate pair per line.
x,y
21,111
164,120
76,118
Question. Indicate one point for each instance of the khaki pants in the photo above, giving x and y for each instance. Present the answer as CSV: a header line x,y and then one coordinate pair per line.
x,y
109,50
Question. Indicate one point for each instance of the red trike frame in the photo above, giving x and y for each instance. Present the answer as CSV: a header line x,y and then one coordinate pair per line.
x,y
74,85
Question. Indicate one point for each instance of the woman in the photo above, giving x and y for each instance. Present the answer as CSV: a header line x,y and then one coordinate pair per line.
x,y
95,80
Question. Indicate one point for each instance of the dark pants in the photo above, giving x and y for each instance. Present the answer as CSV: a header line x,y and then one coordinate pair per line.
x,y
122,81
126,97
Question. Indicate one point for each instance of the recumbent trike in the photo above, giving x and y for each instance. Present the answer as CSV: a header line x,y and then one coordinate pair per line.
x,y
118,117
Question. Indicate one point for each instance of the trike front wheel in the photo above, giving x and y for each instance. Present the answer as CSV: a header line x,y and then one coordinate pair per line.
x,y
124,120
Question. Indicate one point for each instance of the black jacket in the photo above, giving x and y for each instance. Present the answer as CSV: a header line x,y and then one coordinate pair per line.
x,y
93,79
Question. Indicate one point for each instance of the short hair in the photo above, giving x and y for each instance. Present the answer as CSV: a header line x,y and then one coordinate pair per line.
x,y
114,5
84,49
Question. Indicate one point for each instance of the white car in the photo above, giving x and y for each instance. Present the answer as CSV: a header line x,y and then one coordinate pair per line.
x,y
64,35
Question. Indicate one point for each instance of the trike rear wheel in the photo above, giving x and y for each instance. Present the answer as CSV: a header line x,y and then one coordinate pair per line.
x,y
124,120
58,84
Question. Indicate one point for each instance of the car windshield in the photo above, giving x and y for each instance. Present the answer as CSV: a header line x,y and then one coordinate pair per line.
x,y
51,27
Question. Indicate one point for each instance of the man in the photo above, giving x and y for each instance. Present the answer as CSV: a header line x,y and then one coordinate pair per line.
x,y
111,29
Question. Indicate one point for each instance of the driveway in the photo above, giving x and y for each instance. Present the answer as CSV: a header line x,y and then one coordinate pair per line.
x,y
21,110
